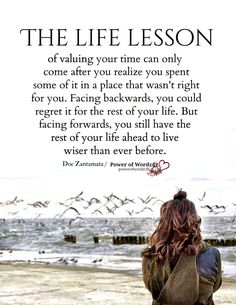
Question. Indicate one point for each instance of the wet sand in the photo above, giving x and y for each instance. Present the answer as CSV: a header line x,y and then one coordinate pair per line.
x,y
23,284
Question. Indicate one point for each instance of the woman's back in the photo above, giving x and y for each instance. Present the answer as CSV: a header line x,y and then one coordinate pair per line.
x,y
176,275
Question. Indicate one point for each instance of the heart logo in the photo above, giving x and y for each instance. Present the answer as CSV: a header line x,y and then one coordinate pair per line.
x,y
163,165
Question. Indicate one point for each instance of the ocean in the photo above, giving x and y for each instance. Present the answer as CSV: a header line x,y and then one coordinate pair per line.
x,y
42,241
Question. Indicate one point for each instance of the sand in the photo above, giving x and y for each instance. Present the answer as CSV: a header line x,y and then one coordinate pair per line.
x,y
23,284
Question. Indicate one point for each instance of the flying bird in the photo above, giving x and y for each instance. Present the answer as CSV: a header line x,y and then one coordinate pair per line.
x,y
203,196
97,210
146,208
73,220
76,198
93,200
110,210
130,212
178,189
70,208
157,201
208,206
147,200
219,206
15,200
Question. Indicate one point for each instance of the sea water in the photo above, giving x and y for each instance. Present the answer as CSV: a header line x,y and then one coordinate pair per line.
x,y
42,241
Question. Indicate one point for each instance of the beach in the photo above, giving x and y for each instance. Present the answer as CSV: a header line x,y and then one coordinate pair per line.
x,y
38,267
40,284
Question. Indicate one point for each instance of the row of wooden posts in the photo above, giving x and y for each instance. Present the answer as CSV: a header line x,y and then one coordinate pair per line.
x,y
138,240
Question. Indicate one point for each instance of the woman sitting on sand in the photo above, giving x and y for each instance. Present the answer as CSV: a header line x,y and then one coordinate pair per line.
x,y
178,267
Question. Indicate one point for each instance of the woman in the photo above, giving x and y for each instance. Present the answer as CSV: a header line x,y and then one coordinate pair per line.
x,y
178,267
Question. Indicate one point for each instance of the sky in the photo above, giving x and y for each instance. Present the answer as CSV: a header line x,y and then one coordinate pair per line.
x,y
204,158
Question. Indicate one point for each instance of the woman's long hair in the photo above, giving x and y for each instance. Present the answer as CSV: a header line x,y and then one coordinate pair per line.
x,y
178,230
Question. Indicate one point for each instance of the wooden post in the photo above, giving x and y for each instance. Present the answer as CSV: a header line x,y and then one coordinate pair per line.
x,y
70,238
96,239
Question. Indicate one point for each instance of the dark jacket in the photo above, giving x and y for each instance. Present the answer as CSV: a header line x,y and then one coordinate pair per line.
x,y
191,282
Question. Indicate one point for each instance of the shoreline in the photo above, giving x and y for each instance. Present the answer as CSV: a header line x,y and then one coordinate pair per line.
x,y
83,268
94,267
96,262
30,284
88,269
77,268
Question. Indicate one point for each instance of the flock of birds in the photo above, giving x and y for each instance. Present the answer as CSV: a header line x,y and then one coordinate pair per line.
x,y
111,205
214,209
